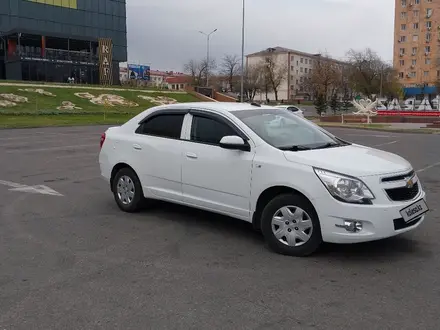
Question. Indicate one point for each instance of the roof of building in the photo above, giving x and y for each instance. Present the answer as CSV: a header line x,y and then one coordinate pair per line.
x,y
283,50
178,80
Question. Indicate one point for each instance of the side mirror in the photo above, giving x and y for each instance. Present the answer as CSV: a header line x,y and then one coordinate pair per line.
x,y
234,142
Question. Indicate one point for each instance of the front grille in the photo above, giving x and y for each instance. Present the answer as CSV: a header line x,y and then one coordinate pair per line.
x,y
402,194
398,177
401,224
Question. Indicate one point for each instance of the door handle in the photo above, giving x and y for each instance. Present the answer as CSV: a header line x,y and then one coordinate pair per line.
x,y
137,147
191,155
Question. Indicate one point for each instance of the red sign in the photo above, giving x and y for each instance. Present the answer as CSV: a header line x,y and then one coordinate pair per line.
x,y
409,113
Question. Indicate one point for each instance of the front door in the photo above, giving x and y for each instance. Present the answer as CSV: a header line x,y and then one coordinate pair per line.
x,y
212,177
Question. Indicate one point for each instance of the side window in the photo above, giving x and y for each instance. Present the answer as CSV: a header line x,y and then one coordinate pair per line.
x,y
293,109
167,126
207,130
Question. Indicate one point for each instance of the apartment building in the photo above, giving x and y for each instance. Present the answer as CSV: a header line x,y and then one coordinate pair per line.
x,y
298,66
417,44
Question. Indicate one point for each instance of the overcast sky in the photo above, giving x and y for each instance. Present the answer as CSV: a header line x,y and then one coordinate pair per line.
x,y
164,33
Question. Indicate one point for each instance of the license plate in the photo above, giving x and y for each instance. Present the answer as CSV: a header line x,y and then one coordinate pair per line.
x,y
414,211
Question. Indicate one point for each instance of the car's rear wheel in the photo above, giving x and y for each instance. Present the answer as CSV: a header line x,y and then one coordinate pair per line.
x,y
291,226
127,190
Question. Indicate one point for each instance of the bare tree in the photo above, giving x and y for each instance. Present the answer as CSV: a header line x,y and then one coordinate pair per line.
x,y
273,73
253,81
230,68
198,69
369,74
325,79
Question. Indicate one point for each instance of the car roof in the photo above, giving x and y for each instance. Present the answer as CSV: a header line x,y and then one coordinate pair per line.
x,y
220,107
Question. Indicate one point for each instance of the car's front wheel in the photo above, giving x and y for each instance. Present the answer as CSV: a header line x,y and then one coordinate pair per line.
x,y
291,226
127,190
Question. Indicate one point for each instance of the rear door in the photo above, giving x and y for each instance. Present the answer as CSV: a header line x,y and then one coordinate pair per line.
x,y
158,152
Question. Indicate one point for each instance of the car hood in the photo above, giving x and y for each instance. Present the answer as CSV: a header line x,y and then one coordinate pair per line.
x,y
355,160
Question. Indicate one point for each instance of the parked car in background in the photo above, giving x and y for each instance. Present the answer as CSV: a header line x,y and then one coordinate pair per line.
x,y
297,111
296,182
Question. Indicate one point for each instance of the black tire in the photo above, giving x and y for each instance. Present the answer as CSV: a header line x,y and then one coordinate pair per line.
x,y
137,202
269,211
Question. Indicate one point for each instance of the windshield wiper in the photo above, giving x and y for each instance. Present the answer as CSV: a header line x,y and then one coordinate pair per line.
x,y
294,148
328,145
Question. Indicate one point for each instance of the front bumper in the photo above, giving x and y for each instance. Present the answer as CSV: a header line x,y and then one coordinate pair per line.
x,y
378,221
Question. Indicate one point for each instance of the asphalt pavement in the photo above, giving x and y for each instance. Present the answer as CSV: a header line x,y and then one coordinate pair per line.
x,y
69,259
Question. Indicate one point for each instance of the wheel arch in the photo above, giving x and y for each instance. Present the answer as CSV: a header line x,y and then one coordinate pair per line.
x,y
267,195
116,169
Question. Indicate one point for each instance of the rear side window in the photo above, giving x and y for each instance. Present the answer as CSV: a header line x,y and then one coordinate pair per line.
x,y
167,126
207,130
292,109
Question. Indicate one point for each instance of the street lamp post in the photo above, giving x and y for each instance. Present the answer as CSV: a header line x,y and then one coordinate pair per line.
x,y
242,55
208,35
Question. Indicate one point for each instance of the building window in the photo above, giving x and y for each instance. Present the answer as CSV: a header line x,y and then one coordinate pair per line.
x,y
297,63
292,58
403,15
403,3
416,13
302,60
291,67
301,69
402,62
402,38
428,12
428,36
305,70
414,51
402,51
416,26
426,73
415,37
400,74
428,24
427,49
403,27
412,74
310,71
306,61
427,61
413,62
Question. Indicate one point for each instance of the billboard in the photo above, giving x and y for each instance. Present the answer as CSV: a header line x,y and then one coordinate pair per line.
x,y
105,61
141,72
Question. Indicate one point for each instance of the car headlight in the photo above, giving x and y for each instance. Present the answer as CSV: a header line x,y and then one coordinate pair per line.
x,y
345,188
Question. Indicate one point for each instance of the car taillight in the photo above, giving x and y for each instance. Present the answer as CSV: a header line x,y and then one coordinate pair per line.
x,y
102,140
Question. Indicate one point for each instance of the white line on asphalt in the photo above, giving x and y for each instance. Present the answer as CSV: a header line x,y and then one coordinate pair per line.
x,y
428,167
54,148
386,143
37,189
371,135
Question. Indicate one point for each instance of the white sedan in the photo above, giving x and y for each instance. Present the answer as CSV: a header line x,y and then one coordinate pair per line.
x,y
294,181
297,111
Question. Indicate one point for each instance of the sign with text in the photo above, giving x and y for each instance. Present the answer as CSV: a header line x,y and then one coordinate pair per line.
x,y
141,72
105,61
58,3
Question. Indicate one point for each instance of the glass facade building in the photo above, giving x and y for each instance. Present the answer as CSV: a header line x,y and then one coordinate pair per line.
x,y
52,40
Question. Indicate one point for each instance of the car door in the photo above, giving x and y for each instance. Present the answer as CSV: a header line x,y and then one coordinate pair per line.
x,y
214,178
158,149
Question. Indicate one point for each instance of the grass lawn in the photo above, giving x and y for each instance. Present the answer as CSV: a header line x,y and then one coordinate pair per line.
x,y
48,104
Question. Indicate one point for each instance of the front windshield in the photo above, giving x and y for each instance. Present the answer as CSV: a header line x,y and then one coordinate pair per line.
x,y
285,130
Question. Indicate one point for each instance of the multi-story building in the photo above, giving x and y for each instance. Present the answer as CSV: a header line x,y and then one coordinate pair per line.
x,y
298,66
417,45
52,40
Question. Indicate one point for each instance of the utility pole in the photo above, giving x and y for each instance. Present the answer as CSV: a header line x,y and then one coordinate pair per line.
x,y
208,35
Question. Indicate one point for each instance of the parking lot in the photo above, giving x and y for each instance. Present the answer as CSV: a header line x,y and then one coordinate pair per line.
x,y
69,259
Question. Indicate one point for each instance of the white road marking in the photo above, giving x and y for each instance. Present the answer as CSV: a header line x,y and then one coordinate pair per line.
x,y
371,135
428,167
386,143
54,148
37,189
